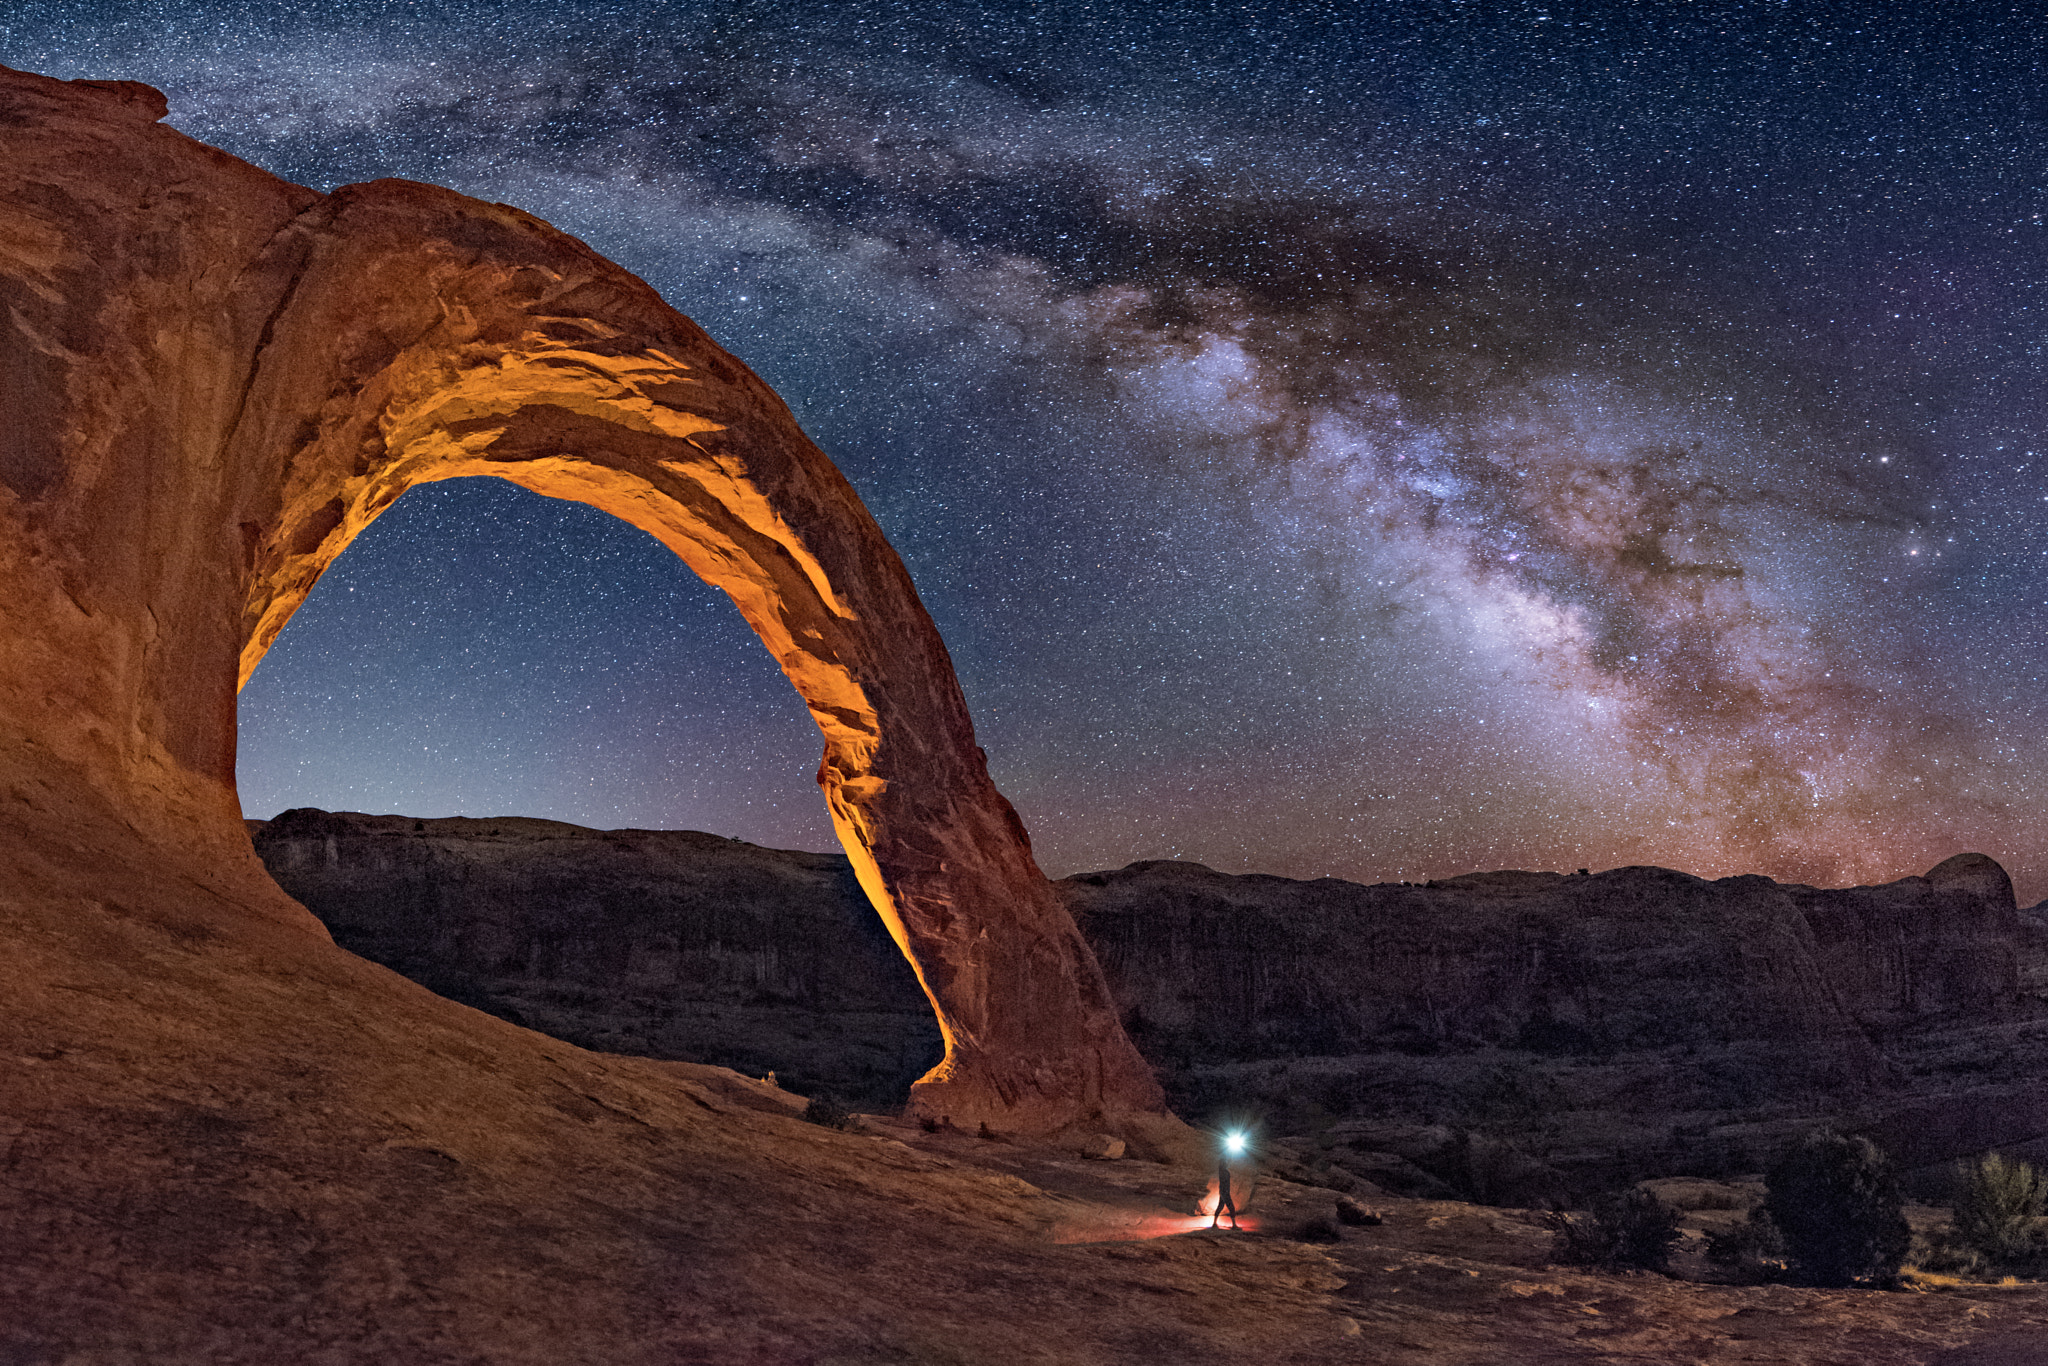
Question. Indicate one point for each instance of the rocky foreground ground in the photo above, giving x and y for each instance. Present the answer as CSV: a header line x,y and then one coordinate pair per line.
x,y
224,1141
1448,1283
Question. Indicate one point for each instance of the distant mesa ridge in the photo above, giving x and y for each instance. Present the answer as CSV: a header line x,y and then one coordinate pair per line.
x,y
1232,965
682,944
1634,957
666,943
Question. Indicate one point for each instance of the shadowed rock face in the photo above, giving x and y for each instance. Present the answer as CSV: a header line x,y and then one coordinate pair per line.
x,y
1206,967
214,380
1635,958
662,943
1613,1022
1639,1019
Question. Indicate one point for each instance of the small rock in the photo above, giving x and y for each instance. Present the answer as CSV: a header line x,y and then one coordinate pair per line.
x,y
1100,1147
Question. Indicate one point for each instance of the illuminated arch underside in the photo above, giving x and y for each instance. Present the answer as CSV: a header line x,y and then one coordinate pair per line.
x,y
215,385
535,361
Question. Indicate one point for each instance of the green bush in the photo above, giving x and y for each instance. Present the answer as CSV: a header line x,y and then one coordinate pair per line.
x,y
1996,1210
1629,1231
1752,1251
1838,1204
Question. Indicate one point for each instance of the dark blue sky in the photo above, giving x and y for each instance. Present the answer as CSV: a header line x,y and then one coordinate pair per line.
x,y
1376,440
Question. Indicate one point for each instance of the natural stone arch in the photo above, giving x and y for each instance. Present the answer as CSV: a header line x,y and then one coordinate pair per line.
x,y
331,351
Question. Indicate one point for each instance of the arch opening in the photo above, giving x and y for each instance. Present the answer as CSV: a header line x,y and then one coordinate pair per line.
x,y
482,651
452,635
282,366
497,347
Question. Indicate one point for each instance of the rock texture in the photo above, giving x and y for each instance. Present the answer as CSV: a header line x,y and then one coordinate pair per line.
x,y
1627,1023
1238,967
225,1140
1205,966
1509,1037
663,943
214,380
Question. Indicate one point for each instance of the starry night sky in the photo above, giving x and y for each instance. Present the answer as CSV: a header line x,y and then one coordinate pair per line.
x,y
1373,440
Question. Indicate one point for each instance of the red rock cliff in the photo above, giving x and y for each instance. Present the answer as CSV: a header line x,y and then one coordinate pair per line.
x,y
213,380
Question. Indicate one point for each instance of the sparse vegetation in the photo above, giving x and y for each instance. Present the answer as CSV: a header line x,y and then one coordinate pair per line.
x,y
1998,1210
1350,1212
1752,1252
829,1113
1630,1230
1946,1256
1837,1202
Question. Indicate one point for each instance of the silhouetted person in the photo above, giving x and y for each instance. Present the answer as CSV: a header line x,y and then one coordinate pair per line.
x,y
1223,1199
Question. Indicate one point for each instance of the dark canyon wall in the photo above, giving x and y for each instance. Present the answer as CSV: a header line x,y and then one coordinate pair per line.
x,y
1249,966
653,941
663,943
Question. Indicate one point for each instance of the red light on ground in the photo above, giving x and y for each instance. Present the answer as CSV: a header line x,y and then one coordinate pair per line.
x,y
1121,1226
1109,1225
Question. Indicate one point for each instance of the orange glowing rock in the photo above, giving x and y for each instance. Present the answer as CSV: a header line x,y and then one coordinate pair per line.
x,y
213,380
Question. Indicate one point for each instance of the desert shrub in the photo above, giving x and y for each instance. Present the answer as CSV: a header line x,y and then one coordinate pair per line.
x,y
1576,1240
1838,1204
1996,1210
827,1112
1629,1231
1945,1254
1752,1251
1350,1212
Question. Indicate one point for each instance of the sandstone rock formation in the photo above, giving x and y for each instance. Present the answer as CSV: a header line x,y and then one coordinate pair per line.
x,y
1628,1022
662,943
214,380
1250,966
